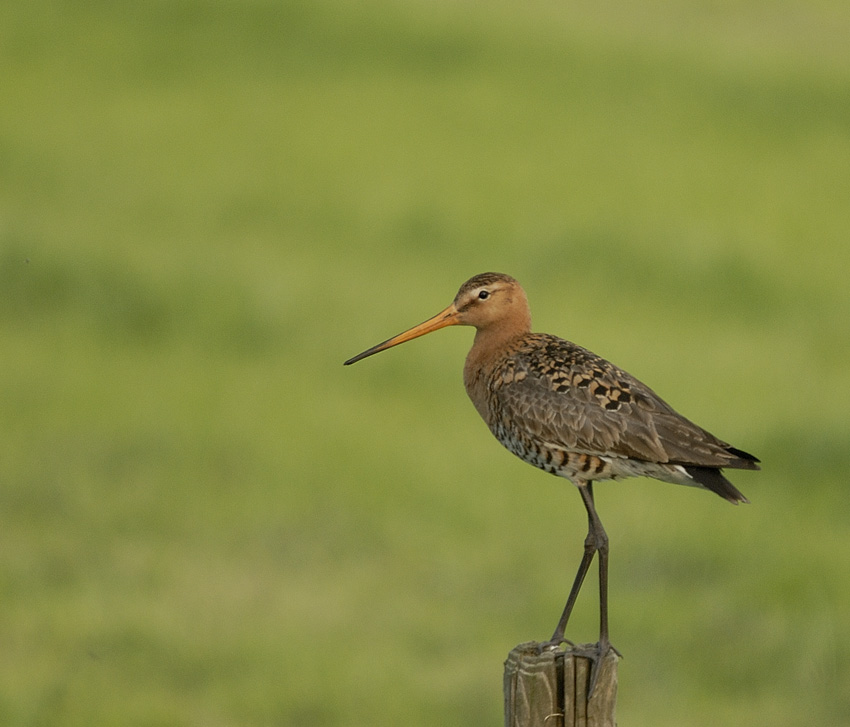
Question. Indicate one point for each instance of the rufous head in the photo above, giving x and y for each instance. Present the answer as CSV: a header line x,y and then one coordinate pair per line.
x,y
486,301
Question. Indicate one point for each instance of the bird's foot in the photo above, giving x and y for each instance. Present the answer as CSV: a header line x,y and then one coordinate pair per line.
x,y
595,653
554,644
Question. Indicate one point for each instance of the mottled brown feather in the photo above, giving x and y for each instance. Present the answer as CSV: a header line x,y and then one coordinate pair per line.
x,y
562,394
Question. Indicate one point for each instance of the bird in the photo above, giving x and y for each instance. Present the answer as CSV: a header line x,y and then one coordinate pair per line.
x,y
573,414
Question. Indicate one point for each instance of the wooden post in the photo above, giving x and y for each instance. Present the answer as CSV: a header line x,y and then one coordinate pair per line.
x,y
549,689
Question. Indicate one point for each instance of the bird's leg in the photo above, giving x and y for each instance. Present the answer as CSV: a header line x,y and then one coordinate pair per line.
x,y
590,548
596,541
601,543
559,635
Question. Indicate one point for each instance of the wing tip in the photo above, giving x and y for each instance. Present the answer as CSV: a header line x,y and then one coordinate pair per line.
x,y
745,461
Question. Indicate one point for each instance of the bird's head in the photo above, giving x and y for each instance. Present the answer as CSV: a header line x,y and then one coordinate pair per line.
x,y
489,301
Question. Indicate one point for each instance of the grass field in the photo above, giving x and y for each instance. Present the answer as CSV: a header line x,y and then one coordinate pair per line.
x,y
205,207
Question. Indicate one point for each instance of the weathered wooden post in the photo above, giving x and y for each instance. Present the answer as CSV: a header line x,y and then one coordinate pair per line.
x,y
549,689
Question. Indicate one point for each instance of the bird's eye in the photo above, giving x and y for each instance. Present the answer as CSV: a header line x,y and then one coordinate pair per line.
x,y
483,295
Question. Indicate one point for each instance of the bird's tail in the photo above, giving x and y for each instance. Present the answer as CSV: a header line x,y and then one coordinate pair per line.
x,y
712,479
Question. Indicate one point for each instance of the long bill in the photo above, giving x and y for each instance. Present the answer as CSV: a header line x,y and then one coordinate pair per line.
x,y
447,317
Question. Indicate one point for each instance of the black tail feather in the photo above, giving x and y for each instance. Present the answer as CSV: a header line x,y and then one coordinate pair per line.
x,y
748,461
712,479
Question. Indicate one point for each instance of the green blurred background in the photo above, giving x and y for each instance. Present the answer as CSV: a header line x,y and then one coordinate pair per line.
x,y
206,206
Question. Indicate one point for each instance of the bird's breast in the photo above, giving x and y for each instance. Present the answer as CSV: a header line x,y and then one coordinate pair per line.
x,y
475,380
485,375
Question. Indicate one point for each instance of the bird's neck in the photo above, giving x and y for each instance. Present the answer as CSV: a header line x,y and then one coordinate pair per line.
x,y
491,345
495,338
